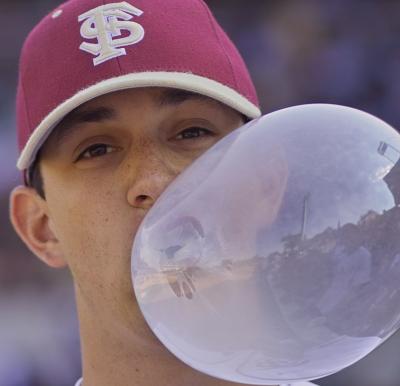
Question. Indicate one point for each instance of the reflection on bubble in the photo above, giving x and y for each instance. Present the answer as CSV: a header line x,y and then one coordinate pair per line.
x,y
275,257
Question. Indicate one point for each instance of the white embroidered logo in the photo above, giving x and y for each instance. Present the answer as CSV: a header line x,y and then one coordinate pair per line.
x,y
106,24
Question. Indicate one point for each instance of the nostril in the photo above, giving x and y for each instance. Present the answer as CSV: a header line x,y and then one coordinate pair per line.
x,y
141,198
143,201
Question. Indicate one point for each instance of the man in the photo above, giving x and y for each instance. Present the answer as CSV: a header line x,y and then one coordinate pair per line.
x,y
115,99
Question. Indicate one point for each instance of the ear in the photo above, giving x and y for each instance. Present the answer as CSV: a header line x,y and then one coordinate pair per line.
x,y
29,216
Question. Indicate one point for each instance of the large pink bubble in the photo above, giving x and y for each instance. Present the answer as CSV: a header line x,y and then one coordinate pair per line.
x,y
275,257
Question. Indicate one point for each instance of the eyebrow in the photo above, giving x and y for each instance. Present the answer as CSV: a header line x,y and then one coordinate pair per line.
x,y
81,115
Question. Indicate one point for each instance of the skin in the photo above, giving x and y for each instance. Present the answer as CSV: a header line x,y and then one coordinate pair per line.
x,y
100,179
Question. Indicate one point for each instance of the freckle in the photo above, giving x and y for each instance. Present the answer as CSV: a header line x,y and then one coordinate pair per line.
x,y
106,219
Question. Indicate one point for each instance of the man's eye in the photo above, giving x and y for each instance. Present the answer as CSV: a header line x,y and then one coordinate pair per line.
x,y
193,132
97,150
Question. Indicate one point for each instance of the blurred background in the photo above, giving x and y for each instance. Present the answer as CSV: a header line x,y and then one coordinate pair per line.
x,y
298,51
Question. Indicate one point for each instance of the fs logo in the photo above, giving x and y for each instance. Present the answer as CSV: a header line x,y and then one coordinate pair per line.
x,y
106,23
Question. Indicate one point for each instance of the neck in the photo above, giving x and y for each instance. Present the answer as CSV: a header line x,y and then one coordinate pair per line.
x,y
121,356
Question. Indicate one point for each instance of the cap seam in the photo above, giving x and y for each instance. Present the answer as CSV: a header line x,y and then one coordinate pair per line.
x,y
210,18
117,58
119,66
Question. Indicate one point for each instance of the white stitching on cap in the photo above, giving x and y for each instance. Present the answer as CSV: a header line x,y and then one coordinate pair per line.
x,y
57,13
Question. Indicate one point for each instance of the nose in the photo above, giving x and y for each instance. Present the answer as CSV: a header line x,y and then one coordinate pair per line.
x,y
153,175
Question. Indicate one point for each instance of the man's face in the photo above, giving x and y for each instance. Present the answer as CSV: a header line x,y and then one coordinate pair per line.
x,y
103,169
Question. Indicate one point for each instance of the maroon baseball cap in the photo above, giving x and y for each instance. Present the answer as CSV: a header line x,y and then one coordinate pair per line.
x,y
88,48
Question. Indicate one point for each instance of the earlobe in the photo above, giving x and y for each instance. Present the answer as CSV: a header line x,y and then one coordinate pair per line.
x,y
29,216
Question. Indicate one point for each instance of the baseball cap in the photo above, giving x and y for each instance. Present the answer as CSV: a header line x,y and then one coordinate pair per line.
x,y
88,48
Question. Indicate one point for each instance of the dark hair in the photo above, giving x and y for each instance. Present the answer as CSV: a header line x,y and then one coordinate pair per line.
x,y
34,177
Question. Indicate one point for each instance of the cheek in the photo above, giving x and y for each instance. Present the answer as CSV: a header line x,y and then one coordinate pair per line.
x,y
95,228
96,235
